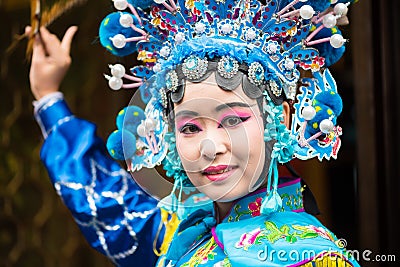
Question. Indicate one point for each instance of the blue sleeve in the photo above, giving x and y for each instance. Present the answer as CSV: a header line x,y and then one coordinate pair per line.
x,y
115,215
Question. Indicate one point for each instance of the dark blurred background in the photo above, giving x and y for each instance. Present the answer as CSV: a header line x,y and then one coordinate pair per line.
x,y
357,194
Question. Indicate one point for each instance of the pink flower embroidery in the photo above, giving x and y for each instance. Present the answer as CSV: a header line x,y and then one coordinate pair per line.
x,y
248,239
320,231
255,206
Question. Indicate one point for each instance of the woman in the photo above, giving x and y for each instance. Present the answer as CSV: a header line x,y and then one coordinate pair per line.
x,y
216,83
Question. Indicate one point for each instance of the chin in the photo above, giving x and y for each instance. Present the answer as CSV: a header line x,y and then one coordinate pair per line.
x,y
235,187
227,197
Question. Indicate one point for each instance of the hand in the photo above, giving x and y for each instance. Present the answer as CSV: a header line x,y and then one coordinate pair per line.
x,y
50,61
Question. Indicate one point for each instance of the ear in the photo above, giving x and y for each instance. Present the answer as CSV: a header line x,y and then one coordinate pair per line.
x,y
286,114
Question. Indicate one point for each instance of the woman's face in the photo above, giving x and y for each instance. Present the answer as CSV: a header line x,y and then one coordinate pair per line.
x,y
220,140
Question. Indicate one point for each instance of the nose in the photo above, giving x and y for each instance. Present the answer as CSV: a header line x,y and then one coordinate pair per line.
x,y
208,149
217,142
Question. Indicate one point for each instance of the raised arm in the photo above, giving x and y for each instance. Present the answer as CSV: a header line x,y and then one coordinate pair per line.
x,y
117,218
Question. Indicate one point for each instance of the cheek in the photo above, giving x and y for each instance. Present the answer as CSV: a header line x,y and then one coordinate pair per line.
x,y
256,140
189,154
249,142
187,150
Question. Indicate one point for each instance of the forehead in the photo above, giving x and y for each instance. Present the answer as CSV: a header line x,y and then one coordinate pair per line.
x,y
205,96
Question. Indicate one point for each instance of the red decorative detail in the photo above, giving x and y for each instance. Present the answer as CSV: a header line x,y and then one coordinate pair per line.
x,y
255,206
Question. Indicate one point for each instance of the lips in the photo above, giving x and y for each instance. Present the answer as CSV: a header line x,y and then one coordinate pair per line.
x,y
218,173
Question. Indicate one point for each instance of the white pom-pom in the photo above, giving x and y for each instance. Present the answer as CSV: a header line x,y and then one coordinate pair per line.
x,y
141,130
306,12
250,34
326,126
340,9
159,1
157,67
117,70
308,113
226,28
164,51
200,27
126,20
272,48
118,41
150,124
289,64
115,83
329,21
337,40
179,37
120,4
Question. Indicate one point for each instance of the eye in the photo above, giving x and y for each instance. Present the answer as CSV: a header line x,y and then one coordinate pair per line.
x,y
189,128
232,121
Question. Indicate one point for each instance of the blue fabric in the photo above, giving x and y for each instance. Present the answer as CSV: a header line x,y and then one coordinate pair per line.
x,y
51,114
198,223
279,239
245,237
117,218
121,221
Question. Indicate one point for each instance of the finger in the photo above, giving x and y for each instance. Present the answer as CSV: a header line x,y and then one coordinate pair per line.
x,y
28,30
67,39
38,52
51,43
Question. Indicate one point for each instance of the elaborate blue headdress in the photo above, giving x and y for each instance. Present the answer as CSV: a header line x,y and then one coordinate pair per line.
x,y
262,46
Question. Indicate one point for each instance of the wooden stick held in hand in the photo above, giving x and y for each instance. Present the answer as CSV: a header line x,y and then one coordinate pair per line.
x,y
41,16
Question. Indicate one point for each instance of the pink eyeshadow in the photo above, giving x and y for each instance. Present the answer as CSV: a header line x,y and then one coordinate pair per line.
x,y
180,123
235,113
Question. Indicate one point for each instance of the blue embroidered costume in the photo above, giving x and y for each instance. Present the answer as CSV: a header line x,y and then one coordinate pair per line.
x,y
256,46
116,216
121,221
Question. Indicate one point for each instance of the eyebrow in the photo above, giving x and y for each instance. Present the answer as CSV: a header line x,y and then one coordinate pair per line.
x,y
187,113
232,104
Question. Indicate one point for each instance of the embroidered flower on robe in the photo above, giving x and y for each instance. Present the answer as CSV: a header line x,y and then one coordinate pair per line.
x,y
322,232
255,206
248,239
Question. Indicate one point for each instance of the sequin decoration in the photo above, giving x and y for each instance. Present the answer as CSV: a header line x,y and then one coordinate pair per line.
x,y
163,98
172,81
194,67
275,89
256,73
228,67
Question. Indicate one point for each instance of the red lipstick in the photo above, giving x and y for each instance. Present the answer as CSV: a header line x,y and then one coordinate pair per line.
x,y
219,172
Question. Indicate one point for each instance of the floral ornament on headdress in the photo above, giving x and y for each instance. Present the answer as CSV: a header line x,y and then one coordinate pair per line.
x,y
261,46
317,108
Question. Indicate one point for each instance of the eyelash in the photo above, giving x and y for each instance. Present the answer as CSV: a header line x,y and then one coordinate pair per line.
x,y
195,129
224,120
187,127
